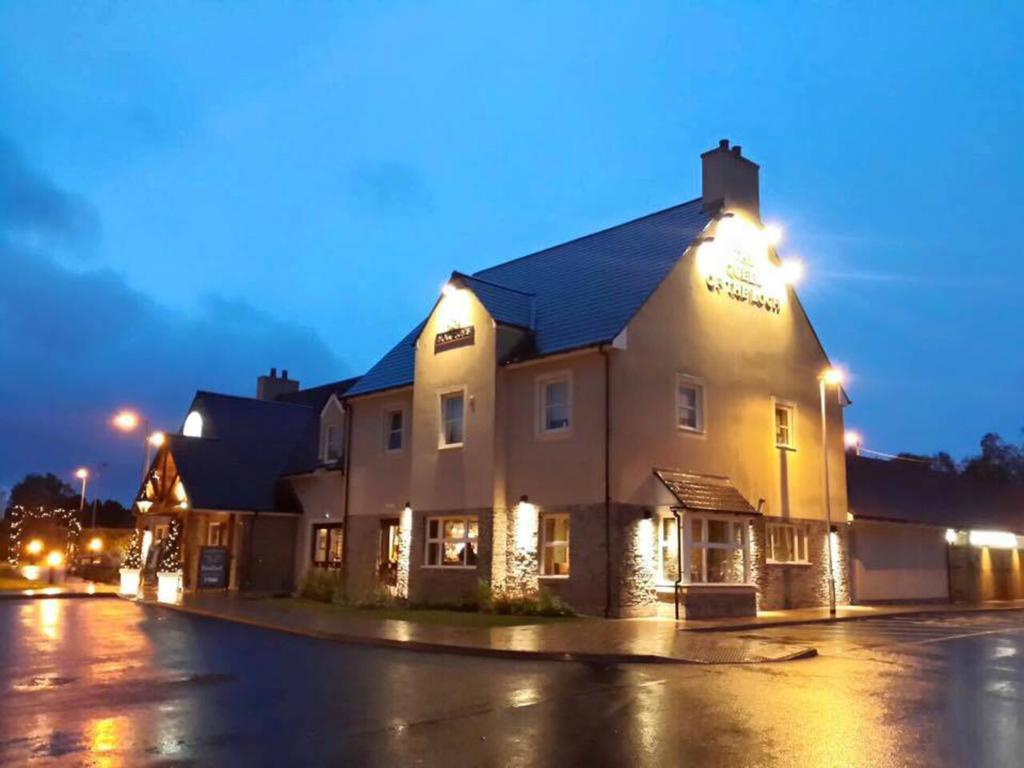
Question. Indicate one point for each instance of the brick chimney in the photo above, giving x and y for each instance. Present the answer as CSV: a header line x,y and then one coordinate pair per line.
x,y
269,387
727,176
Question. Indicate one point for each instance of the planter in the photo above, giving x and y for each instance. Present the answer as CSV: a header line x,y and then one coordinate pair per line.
x,y
168,585
130,581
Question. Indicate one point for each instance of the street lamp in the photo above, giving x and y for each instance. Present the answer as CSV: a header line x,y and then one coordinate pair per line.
x,y
82,474
129,421
829,377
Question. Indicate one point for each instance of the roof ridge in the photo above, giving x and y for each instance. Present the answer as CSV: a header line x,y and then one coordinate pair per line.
x,y
494,284
250,399
588,236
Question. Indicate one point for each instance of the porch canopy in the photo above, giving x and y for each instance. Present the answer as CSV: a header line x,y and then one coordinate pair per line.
x,y
705,493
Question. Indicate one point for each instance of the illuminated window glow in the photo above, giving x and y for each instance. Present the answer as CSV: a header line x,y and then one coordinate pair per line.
x,y
452,542
689,403
193,426
787,543
554,545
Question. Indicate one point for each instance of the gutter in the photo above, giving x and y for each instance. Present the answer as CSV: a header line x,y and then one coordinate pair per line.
x,y
607,484
347,410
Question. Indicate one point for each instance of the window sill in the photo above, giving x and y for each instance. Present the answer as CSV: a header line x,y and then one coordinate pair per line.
x,y
450,446
804,563
786,447
553,434
449,567
554,577
690,431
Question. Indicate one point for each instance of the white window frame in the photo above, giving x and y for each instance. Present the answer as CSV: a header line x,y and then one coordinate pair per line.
x,y
441,397
801,543
440,541
327,424
221,528
790,407
704,545
543,382
698,385
388,431
545,544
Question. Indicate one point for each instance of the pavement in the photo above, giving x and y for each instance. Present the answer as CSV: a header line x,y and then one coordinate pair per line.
x,y
69,589
121,683
622,641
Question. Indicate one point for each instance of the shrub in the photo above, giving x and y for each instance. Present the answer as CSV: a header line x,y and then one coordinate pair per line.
x,y
322,584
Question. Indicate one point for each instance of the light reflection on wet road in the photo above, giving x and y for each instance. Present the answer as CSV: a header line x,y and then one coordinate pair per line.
x,y
111,683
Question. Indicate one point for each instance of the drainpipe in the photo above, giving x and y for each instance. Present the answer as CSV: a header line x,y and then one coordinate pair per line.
x,y
248,559
679,555
347,410
607,485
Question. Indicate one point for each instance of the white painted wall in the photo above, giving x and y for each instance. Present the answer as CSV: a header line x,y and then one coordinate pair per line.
x,y
895,561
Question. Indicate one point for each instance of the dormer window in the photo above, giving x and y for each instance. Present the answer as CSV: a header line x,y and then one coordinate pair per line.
x,y
332,432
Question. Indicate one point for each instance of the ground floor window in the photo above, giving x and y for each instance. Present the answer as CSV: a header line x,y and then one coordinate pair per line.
x,y
327,545
554,545
216,534
717,550
452,541
787,543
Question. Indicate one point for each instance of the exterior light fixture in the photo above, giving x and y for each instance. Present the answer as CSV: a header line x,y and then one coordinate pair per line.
x,y
34,547
993,539
54,559
772,234
832,376
95,544
951,536
792,271
447,290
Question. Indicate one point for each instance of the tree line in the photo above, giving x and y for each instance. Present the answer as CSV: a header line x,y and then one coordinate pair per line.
x,y
51,492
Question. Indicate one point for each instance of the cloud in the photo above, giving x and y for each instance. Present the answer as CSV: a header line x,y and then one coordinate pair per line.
x,y
391,187
33,207
76,344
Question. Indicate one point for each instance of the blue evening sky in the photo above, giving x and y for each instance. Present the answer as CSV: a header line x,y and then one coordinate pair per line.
x,y
193,192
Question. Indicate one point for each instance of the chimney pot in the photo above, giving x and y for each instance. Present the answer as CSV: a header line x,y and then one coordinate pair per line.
x,y
737,150
273,373
723,143
284,374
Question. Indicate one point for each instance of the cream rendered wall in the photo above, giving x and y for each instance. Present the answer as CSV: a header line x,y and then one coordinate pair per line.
x,y
379,480
745,356
554,469
455,478
322,495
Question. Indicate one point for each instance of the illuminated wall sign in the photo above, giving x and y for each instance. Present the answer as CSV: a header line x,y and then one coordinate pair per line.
x,y
737,262
454,338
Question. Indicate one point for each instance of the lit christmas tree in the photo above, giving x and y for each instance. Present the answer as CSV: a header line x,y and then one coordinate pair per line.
x,y
133,552
170,549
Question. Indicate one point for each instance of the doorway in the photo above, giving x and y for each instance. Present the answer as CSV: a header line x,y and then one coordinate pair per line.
x,y
387,557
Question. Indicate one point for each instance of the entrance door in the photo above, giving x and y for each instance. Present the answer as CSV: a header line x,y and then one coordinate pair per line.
x,y
387,558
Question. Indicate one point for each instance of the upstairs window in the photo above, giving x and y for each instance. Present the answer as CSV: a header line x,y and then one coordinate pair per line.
x,y
332,432
393,428
689,403
555,401
785,414
453,406
193,426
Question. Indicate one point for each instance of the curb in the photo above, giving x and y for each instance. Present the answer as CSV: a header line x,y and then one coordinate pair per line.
x,y
57,596
841,619
415,646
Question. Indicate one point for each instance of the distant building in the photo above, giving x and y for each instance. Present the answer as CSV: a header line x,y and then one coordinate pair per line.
x,y
627,419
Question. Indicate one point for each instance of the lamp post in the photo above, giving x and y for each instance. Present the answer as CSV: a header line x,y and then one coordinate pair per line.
x,y
129,421
829,377
82,474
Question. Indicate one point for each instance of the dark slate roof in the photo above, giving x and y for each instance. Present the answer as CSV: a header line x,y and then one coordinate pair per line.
x,y
584,292
506,305
248,444
306,455
705,493
905,492
245,447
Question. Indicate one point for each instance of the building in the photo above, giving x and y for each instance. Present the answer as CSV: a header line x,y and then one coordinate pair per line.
x,y
630,419
918,535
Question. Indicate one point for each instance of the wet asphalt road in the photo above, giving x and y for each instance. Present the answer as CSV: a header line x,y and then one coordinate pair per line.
x,y
111,683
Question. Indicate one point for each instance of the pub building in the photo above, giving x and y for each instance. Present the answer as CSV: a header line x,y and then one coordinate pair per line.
x,y
632,420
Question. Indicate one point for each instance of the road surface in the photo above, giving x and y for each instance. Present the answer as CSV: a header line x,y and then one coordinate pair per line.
x,y
109,683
